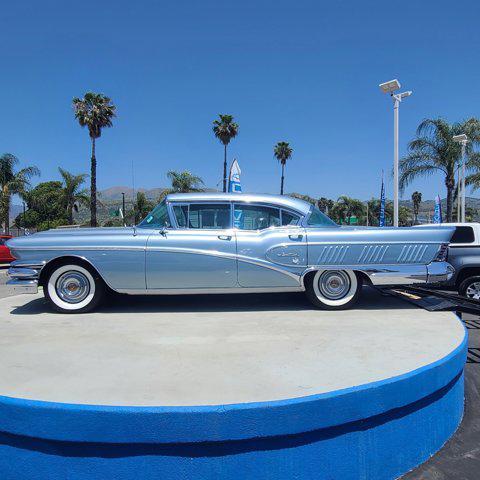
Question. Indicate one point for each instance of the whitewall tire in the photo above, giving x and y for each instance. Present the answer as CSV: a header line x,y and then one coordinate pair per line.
x,y
333,289
73,289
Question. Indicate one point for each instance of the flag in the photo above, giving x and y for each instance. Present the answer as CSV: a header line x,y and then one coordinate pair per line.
x,y
234,184
381,220
437,216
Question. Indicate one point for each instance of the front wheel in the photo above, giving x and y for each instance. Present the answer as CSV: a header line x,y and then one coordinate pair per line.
x,y
73,289
333,289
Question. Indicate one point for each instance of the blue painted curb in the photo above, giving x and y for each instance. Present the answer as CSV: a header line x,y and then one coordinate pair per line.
x,y
111,424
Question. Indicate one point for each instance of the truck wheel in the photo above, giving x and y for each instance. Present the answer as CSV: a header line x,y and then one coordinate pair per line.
x,y
470,288
333,289
73,289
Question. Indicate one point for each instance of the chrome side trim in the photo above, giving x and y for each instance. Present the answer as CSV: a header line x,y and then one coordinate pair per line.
x,y
203,291
381,274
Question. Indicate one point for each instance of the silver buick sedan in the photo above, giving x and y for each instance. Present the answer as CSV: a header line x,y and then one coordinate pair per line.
x,y
226,243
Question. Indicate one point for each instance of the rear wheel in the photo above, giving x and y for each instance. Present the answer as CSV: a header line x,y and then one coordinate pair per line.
x,y
470,288
333,289
73,289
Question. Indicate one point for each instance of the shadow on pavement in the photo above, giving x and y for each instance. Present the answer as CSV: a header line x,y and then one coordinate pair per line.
x,y
370,300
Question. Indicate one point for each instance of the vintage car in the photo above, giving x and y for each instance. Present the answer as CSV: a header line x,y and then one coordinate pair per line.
x,y
226,243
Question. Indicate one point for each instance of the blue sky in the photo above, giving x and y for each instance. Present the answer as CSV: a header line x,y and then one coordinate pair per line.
x,y
306,72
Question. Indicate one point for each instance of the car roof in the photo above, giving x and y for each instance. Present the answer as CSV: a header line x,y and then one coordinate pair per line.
x,y
278,200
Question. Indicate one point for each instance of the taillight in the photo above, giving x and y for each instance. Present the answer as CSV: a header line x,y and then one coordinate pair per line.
x,y
442,253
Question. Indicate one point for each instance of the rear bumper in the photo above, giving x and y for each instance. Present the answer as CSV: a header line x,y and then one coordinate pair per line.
x,y
24,276
434,272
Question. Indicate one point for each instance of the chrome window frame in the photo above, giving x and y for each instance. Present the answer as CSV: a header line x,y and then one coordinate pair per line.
x,y
173,217
269,205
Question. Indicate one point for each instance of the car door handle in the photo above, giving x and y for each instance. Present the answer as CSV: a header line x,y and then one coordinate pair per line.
x,y
295,236
225,237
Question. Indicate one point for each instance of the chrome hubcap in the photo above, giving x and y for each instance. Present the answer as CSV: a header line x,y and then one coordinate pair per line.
x,y
72,287
334,285
473,291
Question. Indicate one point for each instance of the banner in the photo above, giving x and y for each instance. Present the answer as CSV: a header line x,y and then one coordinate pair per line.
x,y
234,184
381,219
437,216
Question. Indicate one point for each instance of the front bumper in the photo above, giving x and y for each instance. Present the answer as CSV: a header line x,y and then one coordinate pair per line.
x,y
24,276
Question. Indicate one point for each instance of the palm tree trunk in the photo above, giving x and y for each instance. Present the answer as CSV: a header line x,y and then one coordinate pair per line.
x,y
93,187
70,214
6,212
450,184
225,169
283,178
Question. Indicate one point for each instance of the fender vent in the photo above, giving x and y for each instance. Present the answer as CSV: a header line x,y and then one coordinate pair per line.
x,y
412,253
332,255
372,254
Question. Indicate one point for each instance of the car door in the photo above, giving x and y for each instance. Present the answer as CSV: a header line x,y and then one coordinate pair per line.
x,y
198,252
271,246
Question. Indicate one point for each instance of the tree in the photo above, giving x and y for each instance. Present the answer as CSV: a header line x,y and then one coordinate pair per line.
x,y
347,207
184,182
404,213
72,195
46,207
225,129
325,204
12,182
141,207
417,200
94,111
282,152
434,151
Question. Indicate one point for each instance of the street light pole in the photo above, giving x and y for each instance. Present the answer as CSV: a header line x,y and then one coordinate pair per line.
x,y
462,139
391,87
396,105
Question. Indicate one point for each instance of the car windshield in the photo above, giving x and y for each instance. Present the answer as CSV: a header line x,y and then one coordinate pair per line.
x,y
157,218
319,219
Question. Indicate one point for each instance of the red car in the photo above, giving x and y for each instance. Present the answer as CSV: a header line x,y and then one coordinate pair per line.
x,y
5,255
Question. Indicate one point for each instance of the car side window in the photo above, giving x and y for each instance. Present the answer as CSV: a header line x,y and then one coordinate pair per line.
x,y
289,218
253,217
463,235
157,218
209,216
181,215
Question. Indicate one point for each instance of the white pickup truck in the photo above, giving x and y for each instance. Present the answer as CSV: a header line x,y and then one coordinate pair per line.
x,y
464,256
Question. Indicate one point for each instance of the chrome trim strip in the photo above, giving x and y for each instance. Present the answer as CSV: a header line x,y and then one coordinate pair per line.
x,y
367,243
193,291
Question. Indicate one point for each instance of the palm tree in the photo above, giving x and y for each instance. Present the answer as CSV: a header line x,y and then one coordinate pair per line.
x,y
345,208
225,129
282,152
416,199
434,151
12,182
184,182
72,195
94,111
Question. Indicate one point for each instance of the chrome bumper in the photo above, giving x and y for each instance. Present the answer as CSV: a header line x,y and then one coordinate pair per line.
x,y
434,272
24,276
